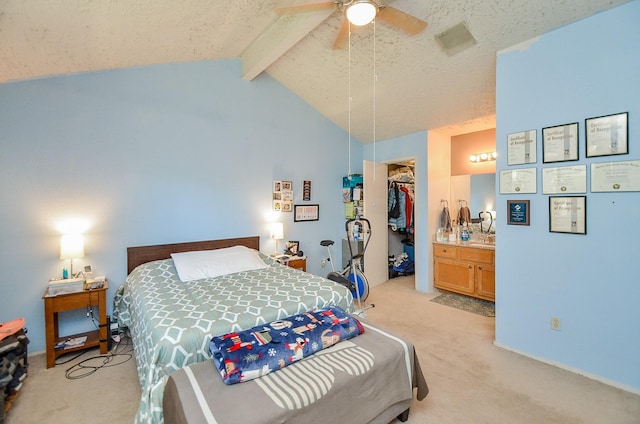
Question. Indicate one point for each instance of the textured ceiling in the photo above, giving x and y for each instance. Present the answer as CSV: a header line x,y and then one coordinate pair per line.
x,y
417,86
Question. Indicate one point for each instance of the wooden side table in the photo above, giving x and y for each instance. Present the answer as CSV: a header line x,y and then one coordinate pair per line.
x,y
298,262
65,302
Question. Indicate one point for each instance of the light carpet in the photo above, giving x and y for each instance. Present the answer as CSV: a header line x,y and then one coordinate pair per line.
x,y
470,379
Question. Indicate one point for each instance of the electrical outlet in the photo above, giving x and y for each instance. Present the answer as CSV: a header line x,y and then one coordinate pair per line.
x,y
324,263
555,323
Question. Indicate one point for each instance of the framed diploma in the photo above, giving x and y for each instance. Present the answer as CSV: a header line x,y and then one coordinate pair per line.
x,y
564,179
517,212
560,143
522,180
306,213
568,214
615,176
607,135
521,147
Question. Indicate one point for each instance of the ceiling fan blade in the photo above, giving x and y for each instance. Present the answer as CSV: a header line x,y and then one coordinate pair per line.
x,y
402,20
343,36
303,8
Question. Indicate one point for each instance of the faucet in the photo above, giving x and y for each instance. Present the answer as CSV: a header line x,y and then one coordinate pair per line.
x,y
482,232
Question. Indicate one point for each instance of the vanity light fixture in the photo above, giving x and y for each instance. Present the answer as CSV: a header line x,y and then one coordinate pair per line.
x,y
361,12
483,157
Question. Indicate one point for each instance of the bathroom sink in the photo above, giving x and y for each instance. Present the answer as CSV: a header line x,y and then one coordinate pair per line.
x,y
474,244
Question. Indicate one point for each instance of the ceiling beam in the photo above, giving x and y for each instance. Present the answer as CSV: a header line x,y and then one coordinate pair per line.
x,y
276,40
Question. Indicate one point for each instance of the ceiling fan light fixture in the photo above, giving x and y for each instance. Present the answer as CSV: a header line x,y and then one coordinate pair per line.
x,y
361,12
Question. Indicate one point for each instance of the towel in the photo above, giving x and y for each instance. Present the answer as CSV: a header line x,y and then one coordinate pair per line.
x,y
464,215
445,220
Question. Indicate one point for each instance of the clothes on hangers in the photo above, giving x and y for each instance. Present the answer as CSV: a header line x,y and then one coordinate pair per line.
x,y
397,201
400,207
408,210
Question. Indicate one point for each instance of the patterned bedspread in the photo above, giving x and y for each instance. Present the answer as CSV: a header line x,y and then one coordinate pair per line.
x,y
172,322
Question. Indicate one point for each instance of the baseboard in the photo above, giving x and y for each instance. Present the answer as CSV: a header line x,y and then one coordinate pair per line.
x,y
573,370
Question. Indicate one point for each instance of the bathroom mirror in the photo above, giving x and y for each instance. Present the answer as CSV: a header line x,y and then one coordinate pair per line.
x,y
479,190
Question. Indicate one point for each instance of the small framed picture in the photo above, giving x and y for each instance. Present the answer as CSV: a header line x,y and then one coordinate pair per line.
x,y
521,147
560,143
568,214
306,213
615,176
292,247
306,190
607,135
518,212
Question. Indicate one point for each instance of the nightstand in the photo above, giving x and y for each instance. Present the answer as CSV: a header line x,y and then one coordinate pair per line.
x,y
66,302
297,262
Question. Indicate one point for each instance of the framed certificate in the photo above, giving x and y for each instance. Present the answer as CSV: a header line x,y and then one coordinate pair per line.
x,y
564,179
615,176
560,143
516,181
306,213
521,147
568,214
607,135
517,212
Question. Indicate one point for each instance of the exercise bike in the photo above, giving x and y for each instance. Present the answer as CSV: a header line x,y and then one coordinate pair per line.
x,y
352,276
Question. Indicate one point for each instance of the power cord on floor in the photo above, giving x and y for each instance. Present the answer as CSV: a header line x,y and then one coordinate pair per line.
x,y
119,354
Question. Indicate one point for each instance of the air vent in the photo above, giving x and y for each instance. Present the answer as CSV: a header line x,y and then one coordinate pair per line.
x,y
456,39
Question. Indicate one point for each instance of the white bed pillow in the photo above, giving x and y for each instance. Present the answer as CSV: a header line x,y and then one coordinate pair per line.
x,y
213,263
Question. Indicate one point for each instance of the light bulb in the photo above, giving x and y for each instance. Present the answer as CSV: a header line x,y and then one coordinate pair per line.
x,y
361,12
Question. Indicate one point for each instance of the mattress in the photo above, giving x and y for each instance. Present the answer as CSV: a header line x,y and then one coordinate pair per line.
x,y
171,322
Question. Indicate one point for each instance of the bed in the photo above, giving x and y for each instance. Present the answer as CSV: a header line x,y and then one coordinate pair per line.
x,y
171,322
366,379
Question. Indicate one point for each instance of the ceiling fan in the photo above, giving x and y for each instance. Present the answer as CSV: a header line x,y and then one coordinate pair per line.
x,y
360,12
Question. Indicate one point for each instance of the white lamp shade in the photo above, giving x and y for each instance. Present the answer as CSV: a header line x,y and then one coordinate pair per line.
x,y
277,231
361,12
72,246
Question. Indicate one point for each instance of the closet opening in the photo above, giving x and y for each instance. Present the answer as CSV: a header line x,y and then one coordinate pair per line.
x,y
400,218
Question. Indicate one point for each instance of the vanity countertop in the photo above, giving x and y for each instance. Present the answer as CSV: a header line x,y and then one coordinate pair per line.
x,y
471,243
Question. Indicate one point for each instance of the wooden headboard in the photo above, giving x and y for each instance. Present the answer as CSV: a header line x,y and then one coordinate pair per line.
x,y
143,254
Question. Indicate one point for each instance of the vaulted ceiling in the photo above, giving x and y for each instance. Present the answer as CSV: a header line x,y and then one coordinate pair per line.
x,y
399,83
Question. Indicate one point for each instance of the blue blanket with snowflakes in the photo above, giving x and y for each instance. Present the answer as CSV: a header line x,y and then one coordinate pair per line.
x,y
255,352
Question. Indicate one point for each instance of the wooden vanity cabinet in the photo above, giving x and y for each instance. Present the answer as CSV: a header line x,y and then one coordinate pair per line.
x,y
466,270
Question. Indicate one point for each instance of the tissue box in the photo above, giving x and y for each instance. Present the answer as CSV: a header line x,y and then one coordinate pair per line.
x,y
69,285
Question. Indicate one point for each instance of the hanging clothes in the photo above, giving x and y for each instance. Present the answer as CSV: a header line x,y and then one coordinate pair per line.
x,y
393,210
397,200
408,210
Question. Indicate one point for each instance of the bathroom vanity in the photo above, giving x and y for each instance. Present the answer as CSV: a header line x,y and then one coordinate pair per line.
x,y
465,267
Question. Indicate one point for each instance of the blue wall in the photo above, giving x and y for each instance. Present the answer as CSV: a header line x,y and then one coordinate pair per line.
x,y
412,146
152,155
591,282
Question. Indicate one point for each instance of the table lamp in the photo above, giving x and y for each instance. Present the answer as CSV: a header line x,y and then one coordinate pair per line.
x,y
277,233
71,247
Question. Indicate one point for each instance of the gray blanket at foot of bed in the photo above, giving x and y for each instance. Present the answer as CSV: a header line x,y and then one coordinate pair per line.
x,y
369,378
